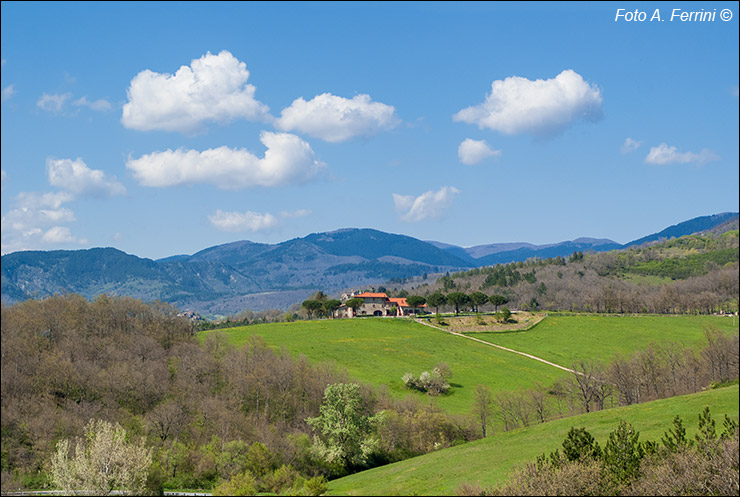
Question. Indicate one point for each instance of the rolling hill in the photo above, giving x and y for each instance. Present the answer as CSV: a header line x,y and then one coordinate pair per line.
x,y
491,460
381,351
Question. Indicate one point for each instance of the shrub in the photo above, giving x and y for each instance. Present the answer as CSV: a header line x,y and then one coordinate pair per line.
x,y
241,484
432,383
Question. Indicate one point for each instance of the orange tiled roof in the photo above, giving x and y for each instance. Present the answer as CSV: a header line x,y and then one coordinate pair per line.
x,y
401,302
369,295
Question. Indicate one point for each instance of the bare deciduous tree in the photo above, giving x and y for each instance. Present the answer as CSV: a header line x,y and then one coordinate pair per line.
x,y
482,408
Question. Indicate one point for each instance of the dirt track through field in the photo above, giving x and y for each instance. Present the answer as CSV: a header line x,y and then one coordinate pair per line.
x,y
421,321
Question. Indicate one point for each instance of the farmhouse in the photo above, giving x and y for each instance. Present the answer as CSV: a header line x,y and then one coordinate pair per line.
x,y
377,304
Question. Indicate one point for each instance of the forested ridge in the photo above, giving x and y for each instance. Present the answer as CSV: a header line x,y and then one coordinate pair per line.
x,y
691,274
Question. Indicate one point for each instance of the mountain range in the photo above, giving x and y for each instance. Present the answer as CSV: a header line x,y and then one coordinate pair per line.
x,y
229,278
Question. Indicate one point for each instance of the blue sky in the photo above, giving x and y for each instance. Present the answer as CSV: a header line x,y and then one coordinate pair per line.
x,y
166,128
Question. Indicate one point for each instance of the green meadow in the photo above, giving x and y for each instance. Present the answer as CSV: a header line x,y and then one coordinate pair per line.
x,y
381,351
564,339
491,460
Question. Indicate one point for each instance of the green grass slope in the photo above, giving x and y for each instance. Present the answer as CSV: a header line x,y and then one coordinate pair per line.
x,y
381,351
491,460
564,339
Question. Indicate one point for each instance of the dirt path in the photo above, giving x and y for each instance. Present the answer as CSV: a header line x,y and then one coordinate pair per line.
x,y
421,321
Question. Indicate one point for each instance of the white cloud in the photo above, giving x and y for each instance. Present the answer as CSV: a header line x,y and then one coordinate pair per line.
x,y
242,221
295,214
629,146
212,88
252,221
98,105
52,102
75,177
8,92
336,119
36,219
287,160
474,151
61,235
34,211
542,107
664,154
49,200
23,227
428,205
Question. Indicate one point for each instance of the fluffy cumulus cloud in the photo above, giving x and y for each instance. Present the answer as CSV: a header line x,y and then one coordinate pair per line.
x,y
337,119
34,210
61,235
664,154
37,219
52,102
473,152
287,160
542,107
75,177
629,146
35,222
242,221
428,205
213,88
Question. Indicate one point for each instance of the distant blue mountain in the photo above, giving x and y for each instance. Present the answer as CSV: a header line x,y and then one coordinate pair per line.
x,y
224,278
696,225
503,253
228,278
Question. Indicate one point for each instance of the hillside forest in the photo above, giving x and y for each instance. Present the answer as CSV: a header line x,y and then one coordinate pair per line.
x,y
691,274
212,415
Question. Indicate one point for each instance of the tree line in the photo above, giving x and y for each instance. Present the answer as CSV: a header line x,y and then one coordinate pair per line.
x,y
657,372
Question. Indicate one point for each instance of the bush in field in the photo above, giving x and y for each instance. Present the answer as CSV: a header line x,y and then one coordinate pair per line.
x,y
432,383
503,315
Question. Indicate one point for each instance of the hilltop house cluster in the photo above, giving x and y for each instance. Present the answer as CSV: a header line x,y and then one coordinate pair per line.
x,y
376,304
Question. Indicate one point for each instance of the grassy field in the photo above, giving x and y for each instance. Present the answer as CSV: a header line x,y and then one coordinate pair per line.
x,y
490,460
563,339
381,351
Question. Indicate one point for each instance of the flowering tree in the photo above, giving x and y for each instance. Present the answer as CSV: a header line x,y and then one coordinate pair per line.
x,y
101,462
